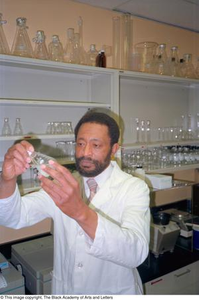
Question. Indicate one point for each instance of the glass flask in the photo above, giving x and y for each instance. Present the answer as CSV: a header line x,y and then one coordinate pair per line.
x,y
77,50
142,131
4,48
187,66
83,54
92,54
189,128
161,63
18,127
116,42
21,45
69,48
40,50
55,49
174,64
38,159
145,53
6,130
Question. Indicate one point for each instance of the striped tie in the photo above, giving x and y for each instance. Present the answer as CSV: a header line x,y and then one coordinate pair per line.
x,y
92,184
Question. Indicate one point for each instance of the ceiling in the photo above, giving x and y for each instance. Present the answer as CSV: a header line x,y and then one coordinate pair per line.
x,y
180,13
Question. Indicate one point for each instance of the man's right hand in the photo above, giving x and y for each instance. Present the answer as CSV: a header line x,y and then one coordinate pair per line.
x,y
16,161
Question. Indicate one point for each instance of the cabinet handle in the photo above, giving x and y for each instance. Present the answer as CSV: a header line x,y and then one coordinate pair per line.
x,y
186,272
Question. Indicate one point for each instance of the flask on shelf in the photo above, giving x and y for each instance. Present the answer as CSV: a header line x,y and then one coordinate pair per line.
x,y
92,54
18,127
187,68
21,45
40,50
4,48
137,128
38,159
55,49
148,131
69,48
126,41
83,54
6,130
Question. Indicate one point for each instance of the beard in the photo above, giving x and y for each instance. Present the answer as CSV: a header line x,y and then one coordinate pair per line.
x,y
99,166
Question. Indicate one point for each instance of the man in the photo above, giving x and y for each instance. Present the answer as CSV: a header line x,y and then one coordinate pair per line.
x,y
98,243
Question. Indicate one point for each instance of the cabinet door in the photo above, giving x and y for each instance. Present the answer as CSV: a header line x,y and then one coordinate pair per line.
x,y
180,282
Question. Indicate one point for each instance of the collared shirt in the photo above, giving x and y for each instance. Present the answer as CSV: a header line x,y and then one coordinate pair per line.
x,y
100,179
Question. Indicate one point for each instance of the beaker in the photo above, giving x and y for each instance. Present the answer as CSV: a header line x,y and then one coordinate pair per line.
x,y
146,52
21,45
4,48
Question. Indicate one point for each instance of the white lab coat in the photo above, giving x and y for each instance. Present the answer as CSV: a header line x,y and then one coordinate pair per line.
x,y
106,265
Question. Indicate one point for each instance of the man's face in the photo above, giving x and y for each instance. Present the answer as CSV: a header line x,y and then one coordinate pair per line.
x,y
93,149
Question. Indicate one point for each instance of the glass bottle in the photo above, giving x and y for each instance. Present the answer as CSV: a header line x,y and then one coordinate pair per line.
x,y
18,128
40,50
69,48
187,66
38,159
6,130
92,54
174,63
161,64
21,45
4,48
55,49
101,59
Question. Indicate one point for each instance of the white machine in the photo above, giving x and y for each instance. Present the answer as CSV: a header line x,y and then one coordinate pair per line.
x,y
163,237
35,258
11,280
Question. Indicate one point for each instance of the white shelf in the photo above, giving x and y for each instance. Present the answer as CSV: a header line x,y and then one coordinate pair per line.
x,y
174,169
134,146
37,136
35,102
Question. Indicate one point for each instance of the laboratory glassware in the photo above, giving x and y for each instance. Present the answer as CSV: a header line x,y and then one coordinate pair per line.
x,y
69,48
4,48
21,45
92,54
188,70
40,50
145,53
55,49
38,159
6,130
126,41
116,42
174,64
161,63
18,127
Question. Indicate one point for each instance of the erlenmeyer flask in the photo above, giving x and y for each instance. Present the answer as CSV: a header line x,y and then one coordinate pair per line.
x,y
6,130
40,50
18,128
55,49
21,44
187,66
69,48
174,64
4,48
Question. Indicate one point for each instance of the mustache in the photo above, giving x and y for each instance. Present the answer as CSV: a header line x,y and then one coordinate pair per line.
x,y
84,158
